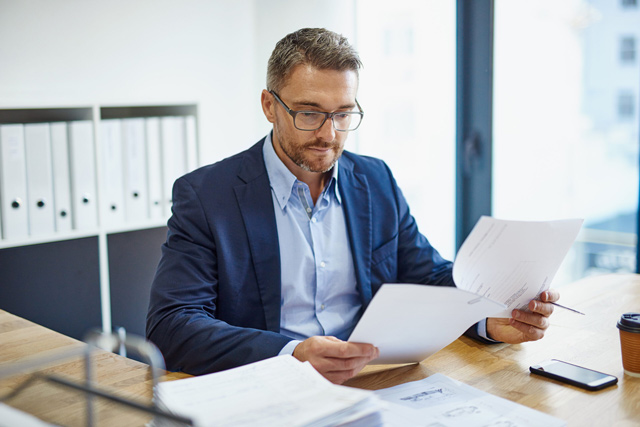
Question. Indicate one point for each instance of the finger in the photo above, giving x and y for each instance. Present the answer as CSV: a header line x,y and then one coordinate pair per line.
x,y
543,308
331,347
531,319
328,354
530,332
340,370
339,377
337,365
346,350
347,363
550,295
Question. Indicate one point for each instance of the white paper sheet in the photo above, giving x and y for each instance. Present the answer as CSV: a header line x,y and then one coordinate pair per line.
x,y
502,265
444,402
512,262
408,323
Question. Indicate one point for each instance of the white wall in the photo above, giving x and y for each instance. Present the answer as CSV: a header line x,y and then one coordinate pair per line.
x,y
148,52
276,18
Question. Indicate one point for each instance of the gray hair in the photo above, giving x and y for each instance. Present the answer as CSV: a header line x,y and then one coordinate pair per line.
x,y
318,47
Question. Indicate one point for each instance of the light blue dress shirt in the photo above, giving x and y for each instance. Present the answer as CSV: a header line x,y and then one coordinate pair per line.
x,y
319,295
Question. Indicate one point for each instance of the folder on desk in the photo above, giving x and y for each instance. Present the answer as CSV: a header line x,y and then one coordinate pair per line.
x,y
13,181
83,177
112,212
154,168
61,181
173,154
37,140
135,171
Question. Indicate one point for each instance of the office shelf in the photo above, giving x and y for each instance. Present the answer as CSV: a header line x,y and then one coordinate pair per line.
x,y
73,279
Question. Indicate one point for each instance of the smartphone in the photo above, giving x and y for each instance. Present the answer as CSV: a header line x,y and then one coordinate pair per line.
x,y
573,374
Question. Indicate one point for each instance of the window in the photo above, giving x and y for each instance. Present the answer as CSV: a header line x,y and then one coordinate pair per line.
x,y
628,50
407,91
560,149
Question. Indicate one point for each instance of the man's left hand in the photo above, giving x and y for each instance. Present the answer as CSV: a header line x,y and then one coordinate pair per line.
x,y
524,326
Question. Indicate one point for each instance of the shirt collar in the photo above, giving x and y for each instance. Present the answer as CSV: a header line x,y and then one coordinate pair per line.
x,y
282,180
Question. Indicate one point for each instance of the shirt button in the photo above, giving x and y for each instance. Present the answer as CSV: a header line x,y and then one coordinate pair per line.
x,y
322,307
322,264
308,209
314,219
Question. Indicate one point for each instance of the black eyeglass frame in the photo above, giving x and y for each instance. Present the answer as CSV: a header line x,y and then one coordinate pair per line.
x,y
294,113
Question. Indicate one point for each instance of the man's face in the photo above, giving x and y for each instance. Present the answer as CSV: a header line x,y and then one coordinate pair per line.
x,y
310,89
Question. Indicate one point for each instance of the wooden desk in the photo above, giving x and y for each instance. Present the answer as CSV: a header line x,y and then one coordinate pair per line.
x,y
502,370
22,341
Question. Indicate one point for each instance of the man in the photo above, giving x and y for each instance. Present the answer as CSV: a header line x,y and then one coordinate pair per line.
x,y
280,248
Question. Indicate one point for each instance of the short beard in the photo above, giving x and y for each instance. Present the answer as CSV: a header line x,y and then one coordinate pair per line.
x,y
302,163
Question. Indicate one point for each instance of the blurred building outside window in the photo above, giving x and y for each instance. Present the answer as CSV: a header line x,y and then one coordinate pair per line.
x,y
566,124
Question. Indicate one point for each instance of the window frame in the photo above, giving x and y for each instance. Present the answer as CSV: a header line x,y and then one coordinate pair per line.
x,y
628,50
474,106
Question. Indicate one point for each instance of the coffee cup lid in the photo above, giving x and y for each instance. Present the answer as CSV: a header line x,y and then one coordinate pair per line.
x,y
630,322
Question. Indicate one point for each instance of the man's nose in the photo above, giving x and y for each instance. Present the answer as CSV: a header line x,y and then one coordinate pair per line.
x,y
327,132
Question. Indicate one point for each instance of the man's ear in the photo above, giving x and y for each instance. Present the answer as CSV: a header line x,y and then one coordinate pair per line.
x,y
268,106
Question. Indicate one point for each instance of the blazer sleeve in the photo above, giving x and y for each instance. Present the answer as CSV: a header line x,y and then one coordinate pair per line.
x,y
182,319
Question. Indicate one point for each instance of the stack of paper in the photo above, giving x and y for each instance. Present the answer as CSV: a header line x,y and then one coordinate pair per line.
x,y
280,391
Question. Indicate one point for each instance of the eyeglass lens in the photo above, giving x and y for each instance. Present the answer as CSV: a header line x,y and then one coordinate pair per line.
x,y
342,121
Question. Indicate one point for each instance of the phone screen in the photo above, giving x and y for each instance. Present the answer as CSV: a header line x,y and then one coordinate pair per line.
x,y
573,374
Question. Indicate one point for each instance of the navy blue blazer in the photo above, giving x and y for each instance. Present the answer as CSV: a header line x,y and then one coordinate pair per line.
x,y
215,298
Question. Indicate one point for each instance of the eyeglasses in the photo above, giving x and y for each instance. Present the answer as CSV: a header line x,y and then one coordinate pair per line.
x,y
343,121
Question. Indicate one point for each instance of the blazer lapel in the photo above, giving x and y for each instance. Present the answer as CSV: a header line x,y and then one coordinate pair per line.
x,y
356,199
256,205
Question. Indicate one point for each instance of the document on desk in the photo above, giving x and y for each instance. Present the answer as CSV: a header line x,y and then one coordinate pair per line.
x,y
444,402
502,265
280,391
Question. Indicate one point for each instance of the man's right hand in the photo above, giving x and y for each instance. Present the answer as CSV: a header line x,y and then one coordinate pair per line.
x,y
336,360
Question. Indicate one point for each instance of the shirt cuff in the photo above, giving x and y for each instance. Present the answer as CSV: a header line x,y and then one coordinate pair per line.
x,y
482,331
288,349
